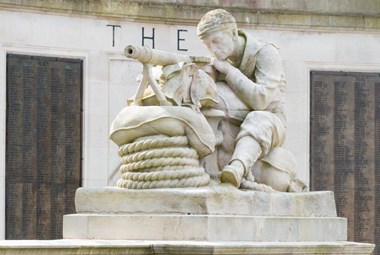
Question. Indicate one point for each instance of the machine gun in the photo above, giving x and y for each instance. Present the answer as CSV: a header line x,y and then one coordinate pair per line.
x,y
146,55
151,57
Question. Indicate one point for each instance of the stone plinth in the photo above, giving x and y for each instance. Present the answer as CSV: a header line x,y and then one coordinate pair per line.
x,y
213,220
204,228
217,200
219,213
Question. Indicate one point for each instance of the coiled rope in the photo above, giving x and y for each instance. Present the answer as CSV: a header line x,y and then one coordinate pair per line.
x,y
160,162
163,175
160,153
151,143
171,183
250,185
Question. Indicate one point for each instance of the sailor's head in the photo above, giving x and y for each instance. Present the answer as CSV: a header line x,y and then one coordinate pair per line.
x,y
218,31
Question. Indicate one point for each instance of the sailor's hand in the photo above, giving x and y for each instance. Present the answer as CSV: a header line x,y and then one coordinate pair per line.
x,y
223,66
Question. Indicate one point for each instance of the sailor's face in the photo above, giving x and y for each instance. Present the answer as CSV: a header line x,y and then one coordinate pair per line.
x,y
220,43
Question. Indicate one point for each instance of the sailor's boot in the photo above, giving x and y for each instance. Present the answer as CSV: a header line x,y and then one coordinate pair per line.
x,y
247,151
233,173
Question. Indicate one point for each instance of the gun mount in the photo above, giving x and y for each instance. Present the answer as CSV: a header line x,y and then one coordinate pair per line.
x,y
151,57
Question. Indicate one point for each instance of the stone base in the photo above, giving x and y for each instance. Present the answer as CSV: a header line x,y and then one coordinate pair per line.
x,y
215,200
118,247
216,213
213,220
204,227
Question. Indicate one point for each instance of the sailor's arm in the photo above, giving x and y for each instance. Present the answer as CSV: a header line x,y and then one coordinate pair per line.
x,y
259,94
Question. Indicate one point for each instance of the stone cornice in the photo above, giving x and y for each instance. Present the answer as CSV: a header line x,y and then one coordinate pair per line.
x,y
296,14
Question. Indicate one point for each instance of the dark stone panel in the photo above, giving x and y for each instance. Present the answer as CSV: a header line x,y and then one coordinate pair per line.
x,y
353,99
44,144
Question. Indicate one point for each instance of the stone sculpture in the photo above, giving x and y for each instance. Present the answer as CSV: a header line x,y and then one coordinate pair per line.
x,y
200,116
196,122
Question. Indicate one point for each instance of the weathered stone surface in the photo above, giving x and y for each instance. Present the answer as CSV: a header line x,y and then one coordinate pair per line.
x,y
216,213
361,14
204,228
113,247
216,200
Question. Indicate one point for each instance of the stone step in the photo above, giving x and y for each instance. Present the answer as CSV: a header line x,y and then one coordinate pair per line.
x,y
215,200
116,247
204,227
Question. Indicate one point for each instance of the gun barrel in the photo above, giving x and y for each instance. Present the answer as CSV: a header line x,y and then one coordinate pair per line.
x,y
147,55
